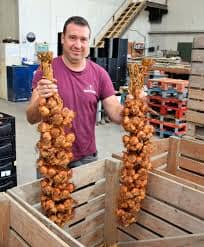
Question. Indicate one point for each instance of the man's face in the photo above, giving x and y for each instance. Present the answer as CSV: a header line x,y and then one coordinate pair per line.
x,y
76,42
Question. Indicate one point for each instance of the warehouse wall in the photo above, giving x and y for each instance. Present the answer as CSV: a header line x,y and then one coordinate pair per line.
x,y
182,23
9,19
55,12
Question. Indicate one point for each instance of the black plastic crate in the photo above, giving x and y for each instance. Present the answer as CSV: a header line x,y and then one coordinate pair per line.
x,y
8,182
7,125
7,148
7,169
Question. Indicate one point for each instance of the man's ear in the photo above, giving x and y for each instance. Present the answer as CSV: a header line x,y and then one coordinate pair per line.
x,y
62,38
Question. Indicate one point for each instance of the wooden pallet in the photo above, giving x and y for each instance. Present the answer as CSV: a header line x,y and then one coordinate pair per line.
x,y
172,213
195,130
168,83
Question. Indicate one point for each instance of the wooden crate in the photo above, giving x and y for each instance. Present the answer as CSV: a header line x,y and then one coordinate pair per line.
x,y
172,213
195,130
195,112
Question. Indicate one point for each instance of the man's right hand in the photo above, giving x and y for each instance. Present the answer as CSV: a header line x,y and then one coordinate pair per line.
x,y
46,88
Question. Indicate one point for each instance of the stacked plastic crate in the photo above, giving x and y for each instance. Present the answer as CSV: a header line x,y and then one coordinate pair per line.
x,y
8,178
168,98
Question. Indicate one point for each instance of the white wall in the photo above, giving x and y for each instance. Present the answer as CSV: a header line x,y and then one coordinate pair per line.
x,y
46,18
182,23
9,19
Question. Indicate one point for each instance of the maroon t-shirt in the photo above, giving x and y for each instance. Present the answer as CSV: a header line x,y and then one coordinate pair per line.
x,y
80,92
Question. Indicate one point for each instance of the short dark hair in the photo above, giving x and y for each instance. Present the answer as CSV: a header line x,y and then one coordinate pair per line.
x,y
78,20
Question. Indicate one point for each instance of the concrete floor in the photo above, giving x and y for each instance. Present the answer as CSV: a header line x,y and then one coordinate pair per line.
x,y
108,137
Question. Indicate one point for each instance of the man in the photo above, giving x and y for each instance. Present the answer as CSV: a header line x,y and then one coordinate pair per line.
x,y
81,84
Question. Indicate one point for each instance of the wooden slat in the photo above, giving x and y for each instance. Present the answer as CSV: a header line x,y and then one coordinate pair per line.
x,y
112,171
157,225
176,217
159,160
4,220
89,193
80,213
195,105
179,179
194,116
197,69
195,94
189,176
138,232
93,238
123,237
176,194
88,209
16,240
89,173
198,42
196,82
160,146
32,230
197,55
192,240
192,148
191,165
173,154
89,225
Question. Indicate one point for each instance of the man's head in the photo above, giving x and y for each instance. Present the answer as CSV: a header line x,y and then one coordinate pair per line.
x,y
75,39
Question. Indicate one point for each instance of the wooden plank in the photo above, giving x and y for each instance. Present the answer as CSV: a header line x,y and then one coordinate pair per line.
x,y
30,192
190,240
194,116
89,173
198,42
197,55
89,225
159,160
173,154
89,193
189,176
157,225
87,210
192,148
197,68
138,232
176,217
160,146
191,165
123,237
117,156
195,105
196,81
60,232
32,230
179,179
196,94
5,220
112,171
94,238
181,196
16,240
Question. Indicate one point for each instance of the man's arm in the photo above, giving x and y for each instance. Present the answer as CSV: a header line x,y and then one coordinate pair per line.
x,y
44,89
113,108
32,113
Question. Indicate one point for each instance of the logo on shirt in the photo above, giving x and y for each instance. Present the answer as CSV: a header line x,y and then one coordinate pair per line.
x,y
90,89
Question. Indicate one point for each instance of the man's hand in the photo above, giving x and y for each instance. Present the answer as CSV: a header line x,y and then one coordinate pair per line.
x,y
46,88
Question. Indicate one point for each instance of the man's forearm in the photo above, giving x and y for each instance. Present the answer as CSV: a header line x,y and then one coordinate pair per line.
x,y
32,112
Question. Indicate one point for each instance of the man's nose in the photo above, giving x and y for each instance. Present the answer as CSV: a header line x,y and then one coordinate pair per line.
x,y
78,43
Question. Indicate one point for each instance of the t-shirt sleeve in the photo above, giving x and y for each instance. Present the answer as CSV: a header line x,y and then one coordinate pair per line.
x,y
37,76
106,88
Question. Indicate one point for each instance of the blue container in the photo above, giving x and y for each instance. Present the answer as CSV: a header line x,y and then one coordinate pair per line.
x,y
19,82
